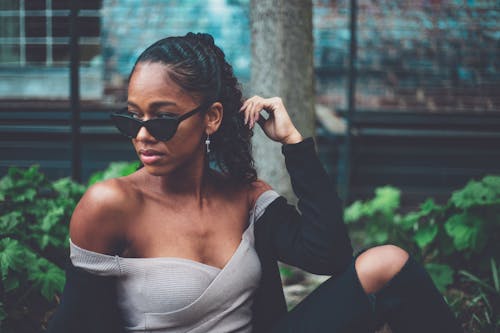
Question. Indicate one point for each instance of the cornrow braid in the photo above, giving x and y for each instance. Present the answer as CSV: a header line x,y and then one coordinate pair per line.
x,y
198,66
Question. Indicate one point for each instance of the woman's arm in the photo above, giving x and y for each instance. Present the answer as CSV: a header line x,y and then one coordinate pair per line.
x,y
315,239
88,302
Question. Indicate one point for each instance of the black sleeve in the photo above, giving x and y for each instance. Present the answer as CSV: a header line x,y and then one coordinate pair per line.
x,y
88,304
315,239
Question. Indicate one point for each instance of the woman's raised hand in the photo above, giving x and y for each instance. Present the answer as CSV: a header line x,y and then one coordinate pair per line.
x,y
278,126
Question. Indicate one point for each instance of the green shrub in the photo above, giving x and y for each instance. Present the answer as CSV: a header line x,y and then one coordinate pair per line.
x,y
34,217
115,169
459,236
452,240
33,224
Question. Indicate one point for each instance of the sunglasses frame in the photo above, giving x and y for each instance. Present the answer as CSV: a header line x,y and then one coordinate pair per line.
x,y
173,121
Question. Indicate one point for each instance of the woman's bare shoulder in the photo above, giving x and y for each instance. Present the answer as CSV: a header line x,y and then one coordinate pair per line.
x,y
255,189
99,220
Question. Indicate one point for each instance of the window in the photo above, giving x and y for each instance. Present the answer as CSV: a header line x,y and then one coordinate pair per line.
x,y
37,32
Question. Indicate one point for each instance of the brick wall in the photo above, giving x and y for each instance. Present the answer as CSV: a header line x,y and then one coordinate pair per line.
x,y
421,55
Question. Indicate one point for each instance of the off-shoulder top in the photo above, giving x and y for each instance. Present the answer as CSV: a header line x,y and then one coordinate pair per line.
x,y
181,295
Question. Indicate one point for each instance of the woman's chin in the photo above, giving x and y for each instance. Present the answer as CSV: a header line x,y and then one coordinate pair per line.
x,y
157,170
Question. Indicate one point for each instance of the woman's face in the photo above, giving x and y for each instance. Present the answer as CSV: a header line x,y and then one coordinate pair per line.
x,y
152,94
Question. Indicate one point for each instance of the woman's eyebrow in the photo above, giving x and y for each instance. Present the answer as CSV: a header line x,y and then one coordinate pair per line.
x,y
155,105
132,104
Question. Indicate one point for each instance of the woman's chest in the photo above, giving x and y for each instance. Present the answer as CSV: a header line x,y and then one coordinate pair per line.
x,y
208,236
167,293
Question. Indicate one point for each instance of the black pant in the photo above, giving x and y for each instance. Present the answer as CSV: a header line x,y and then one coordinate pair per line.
x,y
409,303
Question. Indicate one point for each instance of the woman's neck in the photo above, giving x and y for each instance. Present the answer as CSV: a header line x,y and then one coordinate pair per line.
x,y
195,181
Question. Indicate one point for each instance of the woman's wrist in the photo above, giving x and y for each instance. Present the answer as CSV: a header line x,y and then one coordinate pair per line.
x,y
293,138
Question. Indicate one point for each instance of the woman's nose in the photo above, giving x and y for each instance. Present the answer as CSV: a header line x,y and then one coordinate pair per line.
x,y
144,135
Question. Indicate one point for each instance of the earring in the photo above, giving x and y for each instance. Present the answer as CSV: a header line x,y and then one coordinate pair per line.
x,y
207,142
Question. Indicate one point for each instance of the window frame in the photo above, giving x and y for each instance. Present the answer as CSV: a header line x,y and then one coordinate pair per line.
x,y
24,42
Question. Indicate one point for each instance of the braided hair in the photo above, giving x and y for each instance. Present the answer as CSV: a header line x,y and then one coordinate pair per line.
x,y
198,66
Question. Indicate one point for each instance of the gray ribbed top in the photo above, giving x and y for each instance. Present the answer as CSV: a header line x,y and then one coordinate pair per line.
x,y
181,295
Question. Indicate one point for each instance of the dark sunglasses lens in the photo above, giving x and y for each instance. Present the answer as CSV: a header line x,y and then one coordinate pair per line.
x,y
126,125
162,129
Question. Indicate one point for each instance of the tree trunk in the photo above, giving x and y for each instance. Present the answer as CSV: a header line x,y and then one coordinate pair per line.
x,y
282,65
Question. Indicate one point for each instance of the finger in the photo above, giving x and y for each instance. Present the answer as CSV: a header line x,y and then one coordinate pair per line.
x,y
251,118
248,114
256,98
274,104
249,101
248,110
268,107
245,104
255,114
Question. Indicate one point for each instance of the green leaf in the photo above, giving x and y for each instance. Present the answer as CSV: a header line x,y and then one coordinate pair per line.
x,y
441,274
478,193
285,272
10,221
11,256
20,185
385,203
494,274
6,184
39,207
114,170
47,277
379,236
425,235
11,283
52,218
33,174
354,212
410,220
26,195
466,231
68,188
387,200
492,180
428,207
96,177
44,241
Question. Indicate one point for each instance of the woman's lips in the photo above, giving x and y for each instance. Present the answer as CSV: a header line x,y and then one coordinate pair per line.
x,y
149,156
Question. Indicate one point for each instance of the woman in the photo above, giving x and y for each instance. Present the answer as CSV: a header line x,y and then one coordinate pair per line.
x,y
181,247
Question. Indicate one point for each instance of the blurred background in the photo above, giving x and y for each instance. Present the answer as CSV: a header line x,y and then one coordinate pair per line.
x,y
424,116
427,100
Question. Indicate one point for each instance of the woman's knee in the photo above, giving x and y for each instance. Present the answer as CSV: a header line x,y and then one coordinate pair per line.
x,y
378,265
